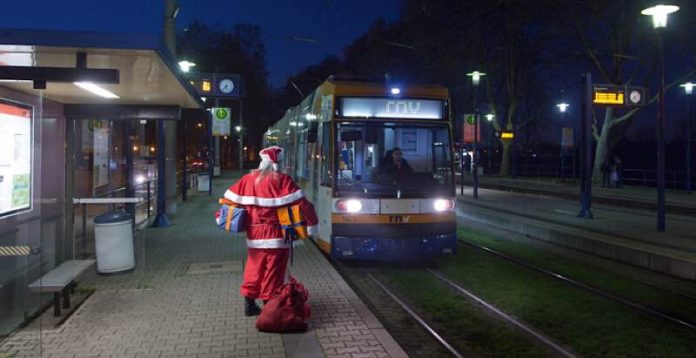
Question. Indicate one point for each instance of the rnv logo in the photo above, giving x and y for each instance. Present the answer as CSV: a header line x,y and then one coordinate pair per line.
x,y
398,219
403,107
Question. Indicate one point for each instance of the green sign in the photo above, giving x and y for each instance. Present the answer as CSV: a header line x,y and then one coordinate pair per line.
x,y
222,114
471,119
222,122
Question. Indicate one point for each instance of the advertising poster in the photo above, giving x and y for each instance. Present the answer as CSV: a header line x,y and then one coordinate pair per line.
x,y
15,158
100,171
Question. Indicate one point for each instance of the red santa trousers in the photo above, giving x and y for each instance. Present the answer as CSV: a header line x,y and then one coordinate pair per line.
x,y
264,272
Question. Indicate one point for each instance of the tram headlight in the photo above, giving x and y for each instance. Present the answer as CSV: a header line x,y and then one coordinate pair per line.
x,y
349,206
443,204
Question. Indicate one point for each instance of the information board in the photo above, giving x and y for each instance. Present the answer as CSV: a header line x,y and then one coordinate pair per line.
x,y
15,158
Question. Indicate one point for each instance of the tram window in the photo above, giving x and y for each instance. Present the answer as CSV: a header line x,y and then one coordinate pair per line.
x,y
326,154
421,167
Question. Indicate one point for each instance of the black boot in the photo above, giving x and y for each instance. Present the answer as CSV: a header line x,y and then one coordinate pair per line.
x,y
250,307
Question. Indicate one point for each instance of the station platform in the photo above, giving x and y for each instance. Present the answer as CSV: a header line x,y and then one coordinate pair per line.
x,y
624,234
676,201
183,300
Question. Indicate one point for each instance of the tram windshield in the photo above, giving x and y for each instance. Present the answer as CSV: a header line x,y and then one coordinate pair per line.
x,y
393,160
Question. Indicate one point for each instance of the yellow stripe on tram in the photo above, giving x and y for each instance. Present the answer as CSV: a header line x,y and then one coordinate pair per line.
x,y
15,250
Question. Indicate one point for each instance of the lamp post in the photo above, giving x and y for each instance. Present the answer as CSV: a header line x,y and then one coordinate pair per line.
x,y
475,80
688,90
489,118
659,14
562,108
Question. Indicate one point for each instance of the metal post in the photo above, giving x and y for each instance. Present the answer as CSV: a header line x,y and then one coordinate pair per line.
x,y
184,175
130,180
660,136
241,137
84,231
211,154
148,197
688,143
161,220
475,149
563,149
462,165
586,147
490,147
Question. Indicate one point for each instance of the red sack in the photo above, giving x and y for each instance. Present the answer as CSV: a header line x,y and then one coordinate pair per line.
x,y
287,311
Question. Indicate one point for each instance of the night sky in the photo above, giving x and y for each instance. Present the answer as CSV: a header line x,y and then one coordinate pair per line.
x,y
333,23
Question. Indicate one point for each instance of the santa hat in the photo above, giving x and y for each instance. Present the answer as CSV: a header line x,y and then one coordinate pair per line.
x,y
271,156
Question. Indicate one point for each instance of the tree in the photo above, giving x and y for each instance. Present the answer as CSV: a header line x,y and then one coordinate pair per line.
x,y
615,41
240,50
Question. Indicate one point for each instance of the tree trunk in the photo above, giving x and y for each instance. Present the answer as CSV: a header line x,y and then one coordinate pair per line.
x,y
603,148
505,161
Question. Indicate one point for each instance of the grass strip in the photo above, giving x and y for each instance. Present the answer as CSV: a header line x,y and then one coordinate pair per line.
x,y
662,300
590,325
466,324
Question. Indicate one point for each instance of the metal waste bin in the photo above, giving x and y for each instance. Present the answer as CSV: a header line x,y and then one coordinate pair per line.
x,y
113,236
203,182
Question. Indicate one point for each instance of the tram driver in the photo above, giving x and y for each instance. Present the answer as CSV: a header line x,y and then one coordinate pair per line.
x,y
396,165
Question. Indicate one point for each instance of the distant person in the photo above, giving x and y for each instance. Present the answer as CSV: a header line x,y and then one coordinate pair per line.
x,y
606,173
397,165
617,172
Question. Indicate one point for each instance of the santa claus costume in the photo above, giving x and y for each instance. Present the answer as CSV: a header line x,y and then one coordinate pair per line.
x,y
261,193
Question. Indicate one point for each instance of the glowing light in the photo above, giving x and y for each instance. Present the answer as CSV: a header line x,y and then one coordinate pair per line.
x,y
476,76
395,90
238,128
443,204
688,87
490,116
185,65
563,107
99,91
659,14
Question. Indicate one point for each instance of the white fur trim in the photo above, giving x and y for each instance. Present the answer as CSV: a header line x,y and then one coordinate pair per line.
x,y
267,244
265,202
313,230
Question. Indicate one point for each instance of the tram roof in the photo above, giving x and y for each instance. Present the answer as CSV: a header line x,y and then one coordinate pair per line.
x,y
357,87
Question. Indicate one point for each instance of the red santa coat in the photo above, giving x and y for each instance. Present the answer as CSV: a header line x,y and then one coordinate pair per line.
x,y
262,199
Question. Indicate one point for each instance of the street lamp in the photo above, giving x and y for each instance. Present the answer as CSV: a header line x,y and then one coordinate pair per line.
x,y
489,118
562,108
475,80
688,90
186,65
659,14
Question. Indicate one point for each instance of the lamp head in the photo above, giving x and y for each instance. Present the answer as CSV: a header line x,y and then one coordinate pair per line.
x,y
659,14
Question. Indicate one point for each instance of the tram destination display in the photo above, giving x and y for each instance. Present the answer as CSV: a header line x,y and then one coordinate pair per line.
x,y
406,108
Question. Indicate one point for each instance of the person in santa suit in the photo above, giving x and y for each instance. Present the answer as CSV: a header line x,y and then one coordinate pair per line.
x,y
261,193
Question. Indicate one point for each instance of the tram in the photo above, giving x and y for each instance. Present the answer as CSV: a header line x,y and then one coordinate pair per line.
x,y
377,162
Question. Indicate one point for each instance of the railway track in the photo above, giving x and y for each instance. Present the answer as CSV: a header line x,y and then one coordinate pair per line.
x,y
595,290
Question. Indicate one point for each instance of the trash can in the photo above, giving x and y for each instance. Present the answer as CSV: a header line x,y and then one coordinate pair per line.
x,y
203,182
113,236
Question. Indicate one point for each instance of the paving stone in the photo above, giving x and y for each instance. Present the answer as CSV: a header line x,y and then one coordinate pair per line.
x,y
167,309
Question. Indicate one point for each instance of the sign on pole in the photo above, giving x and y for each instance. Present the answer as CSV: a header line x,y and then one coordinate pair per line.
x,y
221,121
611,95
217,84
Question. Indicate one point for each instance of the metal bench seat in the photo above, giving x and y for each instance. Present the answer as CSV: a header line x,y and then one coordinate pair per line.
x,y
61,279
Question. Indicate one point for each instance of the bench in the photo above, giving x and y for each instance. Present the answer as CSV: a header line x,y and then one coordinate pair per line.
x,y
61,279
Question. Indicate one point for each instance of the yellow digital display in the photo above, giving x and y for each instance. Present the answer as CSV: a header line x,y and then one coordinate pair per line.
x,y
609,95
206,86
507,135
